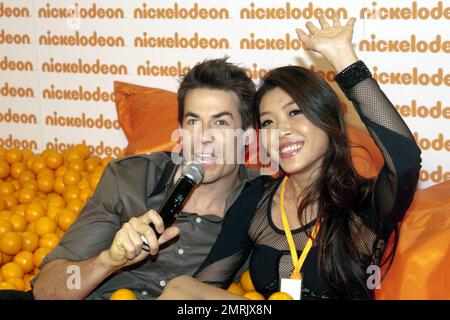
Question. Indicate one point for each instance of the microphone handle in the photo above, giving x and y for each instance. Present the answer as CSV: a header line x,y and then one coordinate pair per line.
x,y
172,205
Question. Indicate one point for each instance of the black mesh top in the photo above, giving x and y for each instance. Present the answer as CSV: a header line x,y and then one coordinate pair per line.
x,y
248,228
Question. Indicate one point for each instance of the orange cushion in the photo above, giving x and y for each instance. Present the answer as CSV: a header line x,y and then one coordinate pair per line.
x,y
367,158
147,115
422,261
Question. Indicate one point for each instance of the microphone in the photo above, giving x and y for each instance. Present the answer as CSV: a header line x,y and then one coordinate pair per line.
x,y
191,175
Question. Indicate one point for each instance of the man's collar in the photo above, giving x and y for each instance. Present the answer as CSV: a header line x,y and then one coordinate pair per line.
x,y
247,174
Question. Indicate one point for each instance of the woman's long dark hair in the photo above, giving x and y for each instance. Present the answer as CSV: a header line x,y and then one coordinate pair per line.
x,y
338,191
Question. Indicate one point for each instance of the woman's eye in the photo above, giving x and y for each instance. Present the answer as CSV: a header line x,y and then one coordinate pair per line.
x,y
265,123
295,112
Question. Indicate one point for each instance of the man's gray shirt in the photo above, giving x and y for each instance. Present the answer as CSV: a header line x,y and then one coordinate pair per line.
x,y
124,191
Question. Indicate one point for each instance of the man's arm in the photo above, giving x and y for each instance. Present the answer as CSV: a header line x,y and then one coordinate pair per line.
x,y
53,278
125,250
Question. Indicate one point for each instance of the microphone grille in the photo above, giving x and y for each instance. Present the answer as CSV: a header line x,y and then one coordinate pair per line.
x,y
193,170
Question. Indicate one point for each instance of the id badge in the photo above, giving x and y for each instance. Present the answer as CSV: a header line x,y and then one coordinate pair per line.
x,y
293,287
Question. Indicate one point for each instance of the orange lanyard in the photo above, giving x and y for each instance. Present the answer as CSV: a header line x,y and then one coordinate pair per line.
x,y
298,262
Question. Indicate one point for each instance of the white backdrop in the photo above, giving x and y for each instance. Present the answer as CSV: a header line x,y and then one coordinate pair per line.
x,y
58,61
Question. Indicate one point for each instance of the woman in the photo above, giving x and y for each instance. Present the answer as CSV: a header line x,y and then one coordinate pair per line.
x,y
321,210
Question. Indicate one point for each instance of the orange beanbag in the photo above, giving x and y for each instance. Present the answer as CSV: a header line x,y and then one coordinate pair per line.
x,y
422,261
148,117
366,157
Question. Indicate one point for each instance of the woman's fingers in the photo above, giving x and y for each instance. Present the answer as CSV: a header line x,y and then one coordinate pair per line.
x,y
351,22
304,38
336,22
323,22
311,27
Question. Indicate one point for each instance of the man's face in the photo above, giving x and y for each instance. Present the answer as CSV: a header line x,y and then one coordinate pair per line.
x,y
210,115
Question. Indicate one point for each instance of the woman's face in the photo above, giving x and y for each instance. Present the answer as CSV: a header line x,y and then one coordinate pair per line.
x,y
302,145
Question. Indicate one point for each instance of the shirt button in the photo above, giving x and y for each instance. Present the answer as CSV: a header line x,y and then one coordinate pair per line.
x,y
144,293
180,251
198,220
162,283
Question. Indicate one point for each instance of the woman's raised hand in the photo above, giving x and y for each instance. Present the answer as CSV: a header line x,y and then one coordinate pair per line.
x,y
333,41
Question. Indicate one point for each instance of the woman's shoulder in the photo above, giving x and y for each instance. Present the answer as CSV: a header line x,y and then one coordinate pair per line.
x,y
250,197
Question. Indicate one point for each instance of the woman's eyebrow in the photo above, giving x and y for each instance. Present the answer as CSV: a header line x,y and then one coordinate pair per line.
x,y
284,106
288,104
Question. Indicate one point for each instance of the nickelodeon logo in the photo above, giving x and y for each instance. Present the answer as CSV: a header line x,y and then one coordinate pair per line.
x,y
82,121
435,176
79,40
415,111
75,11
149,69
11,65
414,12
80,94
285,43
14,12
436,144
411,45
177,41
176,12
412,78
16,92
288,12
256,73
100,149
6,38
328,75
13,117
82,67
11,142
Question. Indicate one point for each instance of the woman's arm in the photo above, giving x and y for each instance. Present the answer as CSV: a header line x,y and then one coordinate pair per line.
x,y
188,288
396,183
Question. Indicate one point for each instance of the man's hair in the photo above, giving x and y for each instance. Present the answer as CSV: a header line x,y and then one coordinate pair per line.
x,y
222,75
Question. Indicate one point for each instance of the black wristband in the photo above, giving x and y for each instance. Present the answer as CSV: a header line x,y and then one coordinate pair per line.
x,y
352,75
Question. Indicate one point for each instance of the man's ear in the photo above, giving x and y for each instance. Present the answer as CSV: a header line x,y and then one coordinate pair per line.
x,y
177,137
180,138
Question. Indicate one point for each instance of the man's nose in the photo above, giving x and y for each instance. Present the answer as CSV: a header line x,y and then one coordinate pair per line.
x,y
203,133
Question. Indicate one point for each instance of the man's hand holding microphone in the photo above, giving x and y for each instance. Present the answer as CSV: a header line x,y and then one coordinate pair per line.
x,y
141,236
127,246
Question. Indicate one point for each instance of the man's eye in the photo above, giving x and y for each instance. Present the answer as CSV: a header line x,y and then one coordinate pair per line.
x,y
265,123
295,112
221,123
192,122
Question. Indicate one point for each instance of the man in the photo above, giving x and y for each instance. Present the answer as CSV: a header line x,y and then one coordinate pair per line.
x,y
103,248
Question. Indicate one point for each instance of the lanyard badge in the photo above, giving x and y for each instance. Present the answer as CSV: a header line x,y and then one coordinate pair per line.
x,y
293,285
